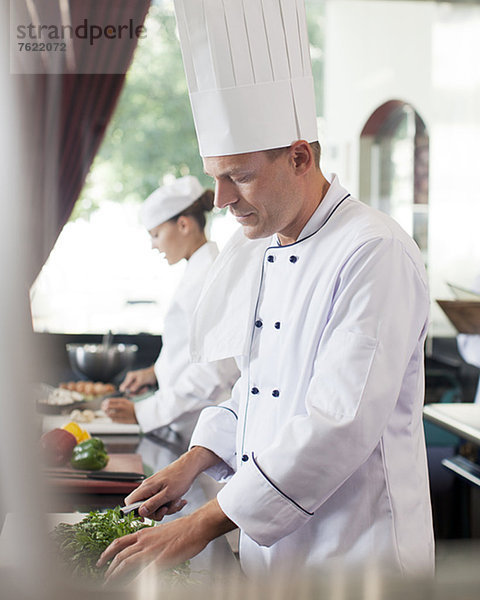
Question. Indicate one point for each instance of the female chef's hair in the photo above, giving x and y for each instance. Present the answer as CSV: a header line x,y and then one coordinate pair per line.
x,y
198,210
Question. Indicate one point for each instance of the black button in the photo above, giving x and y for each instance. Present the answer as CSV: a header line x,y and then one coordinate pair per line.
x,y
275,393
244,458
254,390
271,258
277,325
258,323
293,259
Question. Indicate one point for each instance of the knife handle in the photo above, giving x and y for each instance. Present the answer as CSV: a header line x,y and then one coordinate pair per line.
x,y
125,510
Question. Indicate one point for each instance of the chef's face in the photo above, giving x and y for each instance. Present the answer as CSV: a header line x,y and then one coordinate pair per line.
x,y
258,190
166,239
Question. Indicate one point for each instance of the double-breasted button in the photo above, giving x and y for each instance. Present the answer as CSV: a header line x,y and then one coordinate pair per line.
x,y
293,259
258,323
244,458
277,325
255,390
271,258
275,393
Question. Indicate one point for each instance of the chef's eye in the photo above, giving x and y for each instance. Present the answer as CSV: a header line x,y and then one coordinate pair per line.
x,y
242,178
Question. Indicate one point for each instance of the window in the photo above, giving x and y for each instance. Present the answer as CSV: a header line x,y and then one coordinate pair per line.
x,y
102,274
394,167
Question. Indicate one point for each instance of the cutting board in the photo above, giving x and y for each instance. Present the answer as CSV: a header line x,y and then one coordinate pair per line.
x,y
117,463
100,426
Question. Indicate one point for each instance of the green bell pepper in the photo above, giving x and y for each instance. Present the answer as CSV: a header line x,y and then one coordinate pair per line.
x,y
93,442
89,455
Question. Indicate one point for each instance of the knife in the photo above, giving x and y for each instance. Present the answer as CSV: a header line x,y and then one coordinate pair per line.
x,y
125,510
106,475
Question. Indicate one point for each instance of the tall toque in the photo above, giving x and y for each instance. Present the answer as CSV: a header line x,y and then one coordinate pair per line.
x,y
249,73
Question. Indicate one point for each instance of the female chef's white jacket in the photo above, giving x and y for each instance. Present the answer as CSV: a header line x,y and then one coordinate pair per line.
x,y
322,441
469,346
185,388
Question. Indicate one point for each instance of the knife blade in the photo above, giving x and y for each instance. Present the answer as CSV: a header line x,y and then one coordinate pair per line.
x,y
115,475
106,475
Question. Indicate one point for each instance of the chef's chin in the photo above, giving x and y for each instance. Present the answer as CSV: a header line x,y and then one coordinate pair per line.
x,y
255,233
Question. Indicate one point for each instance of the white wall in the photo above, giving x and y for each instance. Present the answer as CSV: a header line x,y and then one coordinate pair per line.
x,y
428,55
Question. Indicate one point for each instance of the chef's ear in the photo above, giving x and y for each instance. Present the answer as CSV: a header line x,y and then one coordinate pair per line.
x,y
302,157
184,224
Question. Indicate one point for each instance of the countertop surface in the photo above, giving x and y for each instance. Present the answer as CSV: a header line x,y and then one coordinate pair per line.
x,y
463,419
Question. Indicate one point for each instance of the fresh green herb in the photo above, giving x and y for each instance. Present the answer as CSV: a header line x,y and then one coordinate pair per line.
x,y
81,544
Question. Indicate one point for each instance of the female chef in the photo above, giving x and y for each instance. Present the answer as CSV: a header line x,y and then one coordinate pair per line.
x,y
174,215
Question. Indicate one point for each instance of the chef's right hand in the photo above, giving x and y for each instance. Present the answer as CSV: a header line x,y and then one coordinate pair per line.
x,y
120,410
137,381
163,491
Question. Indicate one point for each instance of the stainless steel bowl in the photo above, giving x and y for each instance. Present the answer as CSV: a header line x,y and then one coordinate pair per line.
x,y
99,362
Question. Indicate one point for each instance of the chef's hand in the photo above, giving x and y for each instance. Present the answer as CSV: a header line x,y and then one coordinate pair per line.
x,y
165,545
163,491
120,410
137,381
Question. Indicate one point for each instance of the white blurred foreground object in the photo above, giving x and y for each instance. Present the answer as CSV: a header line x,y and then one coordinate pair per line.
x,y
20,485
248,72
458,579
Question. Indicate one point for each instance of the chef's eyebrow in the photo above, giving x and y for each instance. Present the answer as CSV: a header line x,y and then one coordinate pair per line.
x,y
235,171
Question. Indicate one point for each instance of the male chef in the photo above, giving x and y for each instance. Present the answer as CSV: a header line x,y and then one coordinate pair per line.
x,y
324,303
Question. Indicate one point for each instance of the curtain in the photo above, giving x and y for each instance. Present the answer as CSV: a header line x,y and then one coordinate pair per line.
x,y
66,113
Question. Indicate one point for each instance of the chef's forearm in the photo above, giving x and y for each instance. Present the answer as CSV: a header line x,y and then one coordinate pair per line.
x,y
199,459
210,522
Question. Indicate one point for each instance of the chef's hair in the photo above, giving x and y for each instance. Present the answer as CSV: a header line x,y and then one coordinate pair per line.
x,y
274,153
199,208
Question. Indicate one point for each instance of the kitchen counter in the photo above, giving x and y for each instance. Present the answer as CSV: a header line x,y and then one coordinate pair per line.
x,y
156,453
463,419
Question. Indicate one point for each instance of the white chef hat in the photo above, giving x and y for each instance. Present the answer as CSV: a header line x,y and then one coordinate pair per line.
x,y
249,73
170,200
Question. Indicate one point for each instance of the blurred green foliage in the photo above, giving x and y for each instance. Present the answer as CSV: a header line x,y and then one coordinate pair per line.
x,y
151,133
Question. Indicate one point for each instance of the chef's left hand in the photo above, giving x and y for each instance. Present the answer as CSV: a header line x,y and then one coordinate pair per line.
x,y
120,410
165,545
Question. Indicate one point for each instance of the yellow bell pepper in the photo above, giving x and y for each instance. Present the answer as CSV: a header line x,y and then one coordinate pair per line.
x,y
74,428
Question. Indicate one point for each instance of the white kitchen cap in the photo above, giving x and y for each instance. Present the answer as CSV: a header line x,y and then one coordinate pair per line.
x,y
249,73
170,200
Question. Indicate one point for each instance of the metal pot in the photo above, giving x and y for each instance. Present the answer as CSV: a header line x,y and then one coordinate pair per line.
x,y
100,362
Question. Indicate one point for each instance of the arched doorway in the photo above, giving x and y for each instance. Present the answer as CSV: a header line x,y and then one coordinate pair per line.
x,y
394,158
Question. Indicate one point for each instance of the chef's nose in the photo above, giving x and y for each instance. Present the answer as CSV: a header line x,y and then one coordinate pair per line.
x,y
225,193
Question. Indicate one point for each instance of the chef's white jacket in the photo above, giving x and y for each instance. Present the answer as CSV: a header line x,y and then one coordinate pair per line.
x,y
322,442
185,388
469,346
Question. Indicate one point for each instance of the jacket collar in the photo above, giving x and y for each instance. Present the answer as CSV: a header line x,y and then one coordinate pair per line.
x,y
335,194
200,254
224,315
